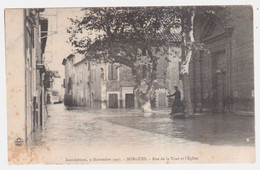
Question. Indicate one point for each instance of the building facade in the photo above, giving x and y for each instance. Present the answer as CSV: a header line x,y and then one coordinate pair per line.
x,y
26,43
223,80
35,34
112,85
119,87
167,77
68,81
96,85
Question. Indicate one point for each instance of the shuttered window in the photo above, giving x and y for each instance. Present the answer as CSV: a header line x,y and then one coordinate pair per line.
x,y
112,72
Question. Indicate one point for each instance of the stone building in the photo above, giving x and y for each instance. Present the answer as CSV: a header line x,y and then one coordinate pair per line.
x,y
26,36
68,81
119,87
167,76
82,82
112,85
96,85
223,80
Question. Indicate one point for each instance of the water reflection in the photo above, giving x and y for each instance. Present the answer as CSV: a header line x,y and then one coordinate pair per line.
x,y
73,126
215,129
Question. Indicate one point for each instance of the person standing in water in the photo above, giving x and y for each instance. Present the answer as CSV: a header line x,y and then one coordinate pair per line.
x,y
177,102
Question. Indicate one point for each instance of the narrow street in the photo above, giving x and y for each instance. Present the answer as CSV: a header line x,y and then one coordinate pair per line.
x,y
121,132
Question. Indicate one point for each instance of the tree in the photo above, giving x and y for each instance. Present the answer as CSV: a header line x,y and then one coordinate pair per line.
x,y
134,37
188,19
49,78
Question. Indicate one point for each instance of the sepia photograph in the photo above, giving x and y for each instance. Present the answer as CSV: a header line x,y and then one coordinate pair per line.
x,y
130,85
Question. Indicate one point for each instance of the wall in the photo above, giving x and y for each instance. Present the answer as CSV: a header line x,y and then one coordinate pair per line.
x,y
15,62
124,79
69,82
85,85
234,38
167,76
94,88
243,60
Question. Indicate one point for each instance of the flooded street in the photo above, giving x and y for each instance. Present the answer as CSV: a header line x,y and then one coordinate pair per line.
x,y
96,84
122,132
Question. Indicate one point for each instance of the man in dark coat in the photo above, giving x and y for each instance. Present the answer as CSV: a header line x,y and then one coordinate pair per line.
x,y
176,106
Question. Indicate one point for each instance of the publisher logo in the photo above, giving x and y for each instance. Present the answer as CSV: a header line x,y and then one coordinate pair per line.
x,y
18,142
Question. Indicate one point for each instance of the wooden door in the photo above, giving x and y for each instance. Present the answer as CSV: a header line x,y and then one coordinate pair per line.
x,y
219,82
129,101
113,101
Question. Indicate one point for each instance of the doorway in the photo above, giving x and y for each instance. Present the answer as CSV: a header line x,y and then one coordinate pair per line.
x,y
129,101
113,100
162,100
219,82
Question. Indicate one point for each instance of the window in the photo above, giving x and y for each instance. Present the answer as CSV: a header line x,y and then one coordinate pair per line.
x,y
112,72
144,71
88,66
144,52
210,29
102,74
70,84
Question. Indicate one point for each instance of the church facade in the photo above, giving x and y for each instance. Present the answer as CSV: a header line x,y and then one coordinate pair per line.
x,y
222,80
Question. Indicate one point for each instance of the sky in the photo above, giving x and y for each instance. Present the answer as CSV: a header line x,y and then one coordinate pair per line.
x,y
57,47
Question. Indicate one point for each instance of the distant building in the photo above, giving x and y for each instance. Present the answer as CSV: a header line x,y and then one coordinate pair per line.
x,y
68,81
52,94
223,80
167,77
96,85
112,85
119,87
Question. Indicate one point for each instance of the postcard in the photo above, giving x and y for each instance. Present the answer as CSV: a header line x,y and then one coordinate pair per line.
x,y
130,85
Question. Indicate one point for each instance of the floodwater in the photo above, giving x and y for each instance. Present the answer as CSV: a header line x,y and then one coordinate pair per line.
x,y
117,130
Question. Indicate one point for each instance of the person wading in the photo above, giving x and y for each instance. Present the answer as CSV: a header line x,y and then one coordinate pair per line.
x,y
177,105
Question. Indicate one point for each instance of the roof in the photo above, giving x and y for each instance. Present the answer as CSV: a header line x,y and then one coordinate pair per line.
x,y
67,58
70,56
64,61
81,61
